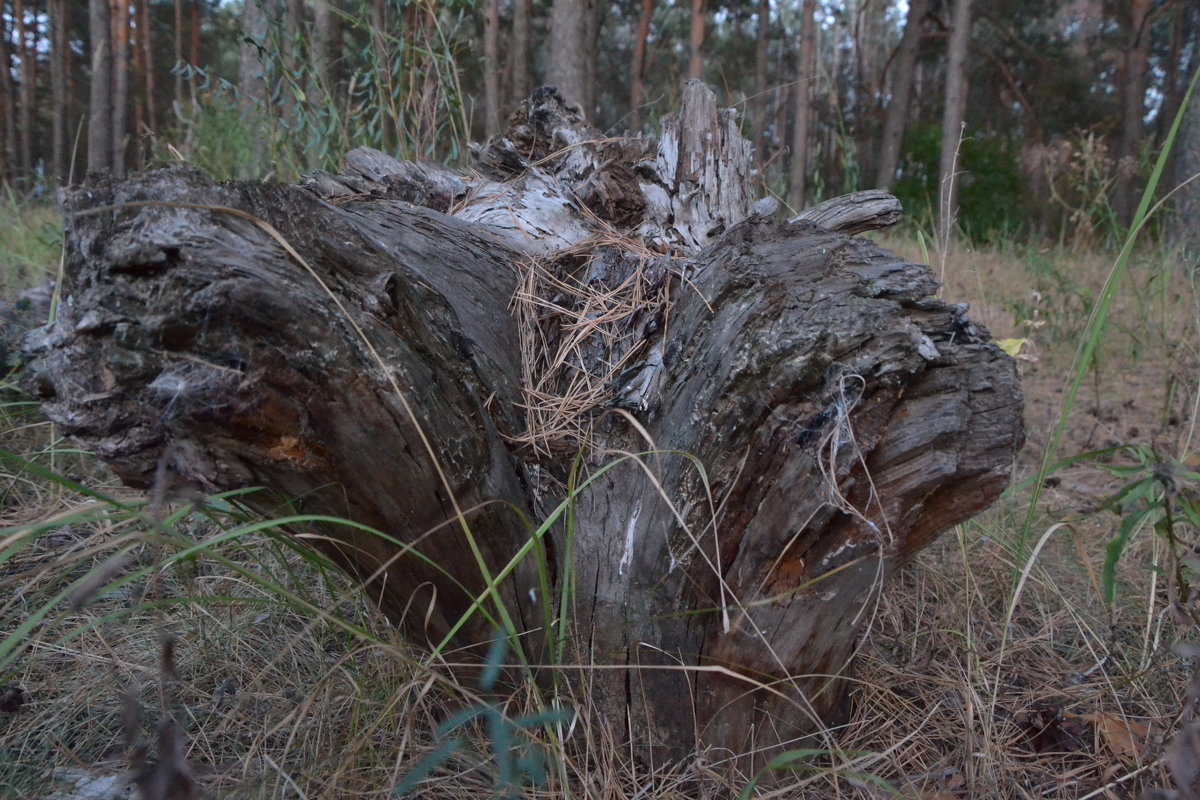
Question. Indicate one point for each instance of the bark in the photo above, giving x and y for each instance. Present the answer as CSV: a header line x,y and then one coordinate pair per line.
x,y
953,114
60,63
568,49
100,145
896,117
637,65
1135,65
758,104
1183,231
491,66
326,51
843,415
120,97
805,79
25,98
252,85
194,50
8,107
696,41
177,43
146,41
520,83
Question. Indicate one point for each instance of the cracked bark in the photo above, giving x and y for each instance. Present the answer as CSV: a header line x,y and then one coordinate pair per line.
x,y
819,417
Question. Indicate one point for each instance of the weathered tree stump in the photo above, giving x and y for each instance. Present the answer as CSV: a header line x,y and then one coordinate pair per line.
x,y
773,416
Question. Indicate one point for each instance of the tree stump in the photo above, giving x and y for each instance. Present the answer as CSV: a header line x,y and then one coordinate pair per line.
x,y
758,421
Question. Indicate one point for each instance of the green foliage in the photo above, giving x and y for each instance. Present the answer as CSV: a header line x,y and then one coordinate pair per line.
x,y
516,757
991,187
30,237
1160,493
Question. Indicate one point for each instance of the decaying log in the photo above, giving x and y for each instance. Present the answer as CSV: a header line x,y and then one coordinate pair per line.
x,y
773,417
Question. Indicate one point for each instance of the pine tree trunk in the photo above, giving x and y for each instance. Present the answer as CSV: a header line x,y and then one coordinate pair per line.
x,y
120,97
518,56
177,51
696,41
327,53
637,65
953,114
26,49
146,41
59,57
1134,70
8,109
808,415
805,79
896,116
758,103
100,128
568,49
491,66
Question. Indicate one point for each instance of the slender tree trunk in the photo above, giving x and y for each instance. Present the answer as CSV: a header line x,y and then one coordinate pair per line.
x,y
326,50
28,73
146,40
194,51
805,78
1135,66
491,67
637,65
518,56
758,103
60,55
100,145
696,41
952,119
568,49
120,97
896,116
1184,228
178,51
8,107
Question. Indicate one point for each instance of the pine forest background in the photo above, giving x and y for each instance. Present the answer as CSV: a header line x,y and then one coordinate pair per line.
x,y
1066,103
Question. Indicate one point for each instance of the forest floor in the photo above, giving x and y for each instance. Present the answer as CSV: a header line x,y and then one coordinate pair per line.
x,y
285,685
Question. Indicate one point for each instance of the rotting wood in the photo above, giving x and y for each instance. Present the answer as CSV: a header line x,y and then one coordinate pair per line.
x,y
809,414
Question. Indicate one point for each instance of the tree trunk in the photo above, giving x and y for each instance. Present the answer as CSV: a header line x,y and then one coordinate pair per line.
x,y
568,49
177,43
696,41
518,56
26,49
805,78
146,41
120,98
808,415
896,116
8,107
194,51
952,120
326,52
1183,231
758,104
491,67
60,63
100,145
1135,64
637,65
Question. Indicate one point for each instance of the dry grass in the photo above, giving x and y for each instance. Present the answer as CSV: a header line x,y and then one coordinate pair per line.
x,y
288,686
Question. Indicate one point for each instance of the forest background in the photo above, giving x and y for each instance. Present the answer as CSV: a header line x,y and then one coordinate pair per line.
x,y
1061,106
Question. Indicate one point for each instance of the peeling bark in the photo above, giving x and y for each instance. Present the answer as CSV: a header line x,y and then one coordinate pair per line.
x,y
797,419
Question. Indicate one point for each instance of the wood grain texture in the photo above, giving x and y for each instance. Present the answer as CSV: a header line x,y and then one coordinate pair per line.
x,y
815,414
